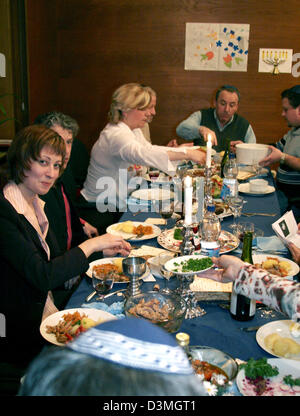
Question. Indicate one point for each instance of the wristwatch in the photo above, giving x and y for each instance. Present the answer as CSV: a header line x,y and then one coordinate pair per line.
x,y
282,159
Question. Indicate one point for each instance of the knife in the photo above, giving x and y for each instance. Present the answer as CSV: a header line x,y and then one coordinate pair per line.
x,y
250,328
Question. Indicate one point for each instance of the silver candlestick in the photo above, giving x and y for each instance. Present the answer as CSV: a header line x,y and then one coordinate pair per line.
x,y
187,247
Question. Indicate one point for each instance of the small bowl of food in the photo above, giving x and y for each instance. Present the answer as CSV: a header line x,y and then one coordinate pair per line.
x,y
165,309
213,365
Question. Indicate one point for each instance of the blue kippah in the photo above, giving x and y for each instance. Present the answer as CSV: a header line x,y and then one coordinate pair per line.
x,y
136,343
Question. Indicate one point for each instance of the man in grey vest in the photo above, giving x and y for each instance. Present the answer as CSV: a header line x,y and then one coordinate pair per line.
x,y
221,122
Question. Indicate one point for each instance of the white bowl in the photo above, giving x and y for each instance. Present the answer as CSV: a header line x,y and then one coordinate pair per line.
x,y
258,185
251,153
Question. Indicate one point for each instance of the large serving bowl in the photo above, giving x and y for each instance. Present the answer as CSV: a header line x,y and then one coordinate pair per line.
x,y
165,309
215,357
251,153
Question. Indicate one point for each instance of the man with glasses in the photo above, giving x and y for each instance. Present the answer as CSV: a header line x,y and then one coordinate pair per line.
x,y
287,152
221,122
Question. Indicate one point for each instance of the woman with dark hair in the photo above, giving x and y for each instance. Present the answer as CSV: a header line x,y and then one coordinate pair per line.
x,y
29,271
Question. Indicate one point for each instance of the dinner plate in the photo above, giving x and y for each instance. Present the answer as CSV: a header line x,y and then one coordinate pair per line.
x,y
96,314
276,386
259,258
133,237
244,188
150,194
228,241
175,265
281,328
111,261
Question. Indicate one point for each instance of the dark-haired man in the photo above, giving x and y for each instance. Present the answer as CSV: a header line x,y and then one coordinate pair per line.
x,y
287,152
221,122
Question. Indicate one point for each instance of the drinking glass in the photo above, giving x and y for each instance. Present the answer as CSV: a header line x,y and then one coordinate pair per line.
x,y
166,211
235,204
102,283
181,171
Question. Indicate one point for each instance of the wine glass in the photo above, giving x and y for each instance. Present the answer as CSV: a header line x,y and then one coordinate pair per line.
x,y
102,283
181,171
235,204
134,268
166,211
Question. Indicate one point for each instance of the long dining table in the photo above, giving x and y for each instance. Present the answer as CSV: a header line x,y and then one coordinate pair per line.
x,y
216,328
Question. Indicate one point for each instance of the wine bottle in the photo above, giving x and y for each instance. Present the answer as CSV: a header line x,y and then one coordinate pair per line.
x,y
241,307
225,157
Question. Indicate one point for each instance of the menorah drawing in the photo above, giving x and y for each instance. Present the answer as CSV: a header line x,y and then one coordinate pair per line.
x,y
274,58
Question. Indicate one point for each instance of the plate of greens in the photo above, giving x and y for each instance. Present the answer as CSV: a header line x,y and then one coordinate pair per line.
x,y
189,265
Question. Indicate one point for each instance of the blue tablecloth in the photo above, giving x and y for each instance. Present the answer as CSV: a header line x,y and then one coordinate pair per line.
x,y
216,328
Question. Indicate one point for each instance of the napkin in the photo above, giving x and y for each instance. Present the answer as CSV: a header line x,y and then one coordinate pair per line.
x,y
117,308
270,244
155,221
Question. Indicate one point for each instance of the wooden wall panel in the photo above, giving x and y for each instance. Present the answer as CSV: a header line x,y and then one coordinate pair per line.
x,y
96,45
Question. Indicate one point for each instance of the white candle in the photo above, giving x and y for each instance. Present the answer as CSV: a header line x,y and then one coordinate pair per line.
x,y
188,200
200,197
208,151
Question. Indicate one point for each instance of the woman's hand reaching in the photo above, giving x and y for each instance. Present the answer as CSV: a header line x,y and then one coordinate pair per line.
x,y
228,268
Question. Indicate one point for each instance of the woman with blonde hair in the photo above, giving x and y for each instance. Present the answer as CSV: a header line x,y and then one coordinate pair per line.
x,y
122,143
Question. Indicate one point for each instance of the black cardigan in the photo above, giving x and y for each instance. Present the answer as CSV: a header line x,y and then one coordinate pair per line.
x,y
26,278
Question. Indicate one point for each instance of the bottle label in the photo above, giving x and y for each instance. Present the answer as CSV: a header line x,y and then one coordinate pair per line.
x,y
241,307
230,187
210,249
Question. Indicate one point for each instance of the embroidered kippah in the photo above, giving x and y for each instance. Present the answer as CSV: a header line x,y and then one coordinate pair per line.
x,y
135,343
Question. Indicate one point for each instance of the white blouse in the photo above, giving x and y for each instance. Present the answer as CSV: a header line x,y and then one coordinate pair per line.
x,y
117,148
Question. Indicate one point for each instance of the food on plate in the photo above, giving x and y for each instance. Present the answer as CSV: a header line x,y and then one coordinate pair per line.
x,y
141,230
126,227
210,372
178,234
295,329
192,265
216,186
113,269
263,379
118,262
151,310
275,266
282,346
70,326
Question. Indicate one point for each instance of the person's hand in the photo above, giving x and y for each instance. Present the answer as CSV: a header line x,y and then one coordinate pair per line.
x,y
172,143
89,230
228,269
295,252
103,243
233,145
273,157
205,131
196,156
124,251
